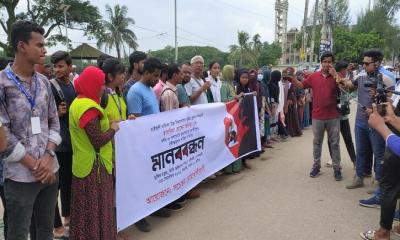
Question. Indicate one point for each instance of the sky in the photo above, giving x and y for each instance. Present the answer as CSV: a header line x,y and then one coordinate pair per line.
x,y
202,23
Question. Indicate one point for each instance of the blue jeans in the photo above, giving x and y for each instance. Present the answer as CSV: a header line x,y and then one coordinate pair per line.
x,y
367,138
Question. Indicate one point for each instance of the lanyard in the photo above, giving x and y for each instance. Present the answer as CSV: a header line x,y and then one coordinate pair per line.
x,y
11,75
119,106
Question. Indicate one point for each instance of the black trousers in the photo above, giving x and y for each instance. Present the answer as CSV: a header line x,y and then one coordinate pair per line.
x,y
65,171
390,188
3,200
348,140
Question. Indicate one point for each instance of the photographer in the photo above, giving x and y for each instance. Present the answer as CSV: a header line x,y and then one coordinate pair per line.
x,y
390,178
367,83
344,106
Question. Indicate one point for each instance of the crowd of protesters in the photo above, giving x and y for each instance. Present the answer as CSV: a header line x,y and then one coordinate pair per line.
x,y
57,129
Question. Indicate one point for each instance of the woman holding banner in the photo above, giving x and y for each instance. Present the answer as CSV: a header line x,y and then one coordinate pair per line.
x,y
92,200
228,94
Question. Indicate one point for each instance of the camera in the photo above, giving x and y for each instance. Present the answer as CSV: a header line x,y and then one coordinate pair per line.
x,y
375,80
344,109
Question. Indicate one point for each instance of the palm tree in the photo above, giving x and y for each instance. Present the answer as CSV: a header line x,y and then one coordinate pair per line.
x,y
255,49
117,32
242,48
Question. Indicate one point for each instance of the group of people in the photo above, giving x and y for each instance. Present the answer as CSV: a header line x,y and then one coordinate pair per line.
x,y
56,135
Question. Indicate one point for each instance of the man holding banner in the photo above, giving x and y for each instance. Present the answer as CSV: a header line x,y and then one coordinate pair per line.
x,y
142,101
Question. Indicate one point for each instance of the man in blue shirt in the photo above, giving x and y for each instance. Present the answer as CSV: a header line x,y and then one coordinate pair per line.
x,y
141,99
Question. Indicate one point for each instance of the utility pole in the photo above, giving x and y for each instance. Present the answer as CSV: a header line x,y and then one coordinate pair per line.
x,y
326,31
304,47
313,31
176,37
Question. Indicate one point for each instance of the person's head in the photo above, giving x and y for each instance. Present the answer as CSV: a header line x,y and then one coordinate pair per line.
x,y
164,73
62,64
187,72
228,73
151,71
276,76
372,60
341,67
327,60
90,83
252,75
136,62
300,75
266,76
288,73
175,75
244,77
101,59
215,69
28,42
197,63
114,72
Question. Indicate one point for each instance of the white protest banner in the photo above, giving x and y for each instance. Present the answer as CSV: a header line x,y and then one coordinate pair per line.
x,y
160,157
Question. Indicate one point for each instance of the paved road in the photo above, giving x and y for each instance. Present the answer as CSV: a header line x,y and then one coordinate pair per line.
x,y
274,200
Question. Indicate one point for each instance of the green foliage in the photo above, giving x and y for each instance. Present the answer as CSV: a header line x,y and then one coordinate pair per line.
x,y
270,54
254,53
349,45
380,21
81,15
167,55
116,30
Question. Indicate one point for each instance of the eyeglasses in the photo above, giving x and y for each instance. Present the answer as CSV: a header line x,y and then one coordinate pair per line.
x,y
367,63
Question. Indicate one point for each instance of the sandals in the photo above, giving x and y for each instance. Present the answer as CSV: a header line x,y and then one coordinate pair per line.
x,y
368,235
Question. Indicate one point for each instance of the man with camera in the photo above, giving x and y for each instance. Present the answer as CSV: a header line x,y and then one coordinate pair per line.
x,y
370,85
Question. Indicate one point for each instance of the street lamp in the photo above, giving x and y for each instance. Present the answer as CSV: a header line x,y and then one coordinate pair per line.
x,y
64,7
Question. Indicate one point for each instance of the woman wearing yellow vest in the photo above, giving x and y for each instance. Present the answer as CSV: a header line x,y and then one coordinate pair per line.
x,y
112,100
92,198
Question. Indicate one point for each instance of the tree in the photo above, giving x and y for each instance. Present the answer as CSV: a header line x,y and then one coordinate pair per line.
x,y
255,49
342,13
241,50
380,21
167,55
116,30
81,16
390,7
269,54
349,45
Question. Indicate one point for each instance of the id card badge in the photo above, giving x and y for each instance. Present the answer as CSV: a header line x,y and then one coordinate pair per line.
x,y
35,123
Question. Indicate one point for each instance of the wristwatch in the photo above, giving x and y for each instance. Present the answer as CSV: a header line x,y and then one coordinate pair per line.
x,y
50,152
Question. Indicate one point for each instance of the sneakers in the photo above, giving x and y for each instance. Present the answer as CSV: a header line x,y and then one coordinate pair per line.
x,y
315,172
143,225
357,183
370,203
337,174
174,207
